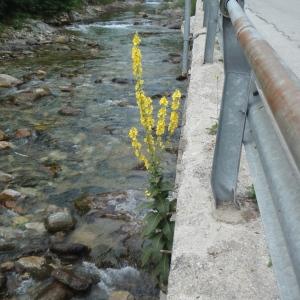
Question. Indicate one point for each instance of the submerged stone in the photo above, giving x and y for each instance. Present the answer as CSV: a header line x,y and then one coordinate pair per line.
x,y
70,249
31,264
69,111
5,178
23,133
72,280
3,136
121,295
7,81
9,195
54,291
5,145
60,221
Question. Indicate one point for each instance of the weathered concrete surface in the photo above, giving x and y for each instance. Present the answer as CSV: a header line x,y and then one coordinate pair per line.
x,y
216,254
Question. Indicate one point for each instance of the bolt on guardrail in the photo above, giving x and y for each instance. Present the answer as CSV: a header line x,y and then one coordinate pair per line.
x,y
260,110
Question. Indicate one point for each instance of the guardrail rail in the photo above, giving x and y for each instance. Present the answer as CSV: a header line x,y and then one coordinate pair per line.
x,y
260,111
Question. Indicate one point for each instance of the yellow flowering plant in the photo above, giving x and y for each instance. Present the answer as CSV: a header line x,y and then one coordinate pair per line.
x,y
148,146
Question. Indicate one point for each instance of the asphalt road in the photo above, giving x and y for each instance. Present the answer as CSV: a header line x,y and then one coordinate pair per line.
x,y
279,22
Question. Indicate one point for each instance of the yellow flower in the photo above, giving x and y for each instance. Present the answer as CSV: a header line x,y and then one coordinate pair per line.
x,y
173,122
136,39
133,132
163,101
176,96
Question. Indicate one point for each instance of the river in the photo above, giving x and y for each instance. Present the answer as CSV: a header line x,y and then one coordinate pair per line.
x,y
88,154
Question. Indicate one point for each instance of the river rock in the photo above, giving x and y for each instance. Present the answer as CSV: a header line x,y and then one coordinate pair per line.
x,y
60,221
3,136
175,26
72,280
5,145
30,264
9,195
61,39
121,295
66,89
29,95
2,282
70,249
55,291
37,226
6,245
23,133
69,111
5,178
99,80
7,81
121,80
7,266
41,74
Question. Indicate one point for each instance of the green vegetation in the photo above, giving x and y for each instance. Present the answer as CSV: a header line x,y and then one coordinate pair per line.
x,y
213,129
149,145
180,3
251,192
11,8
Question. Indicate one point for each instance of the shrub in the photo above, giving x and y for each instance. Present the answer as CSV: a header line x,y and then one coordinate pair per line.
x,y
149,145
9,8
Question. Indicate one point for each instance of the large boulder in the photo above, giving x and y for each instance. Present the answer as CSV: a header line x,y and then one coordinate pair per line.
x,y
7,81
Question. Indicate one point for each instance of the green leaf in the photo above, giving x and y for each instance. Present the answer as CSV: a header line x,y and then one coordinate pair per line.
x,y
166,187
146,255
148,204
151,222
173,205
167,231
161,272
162,206
164,268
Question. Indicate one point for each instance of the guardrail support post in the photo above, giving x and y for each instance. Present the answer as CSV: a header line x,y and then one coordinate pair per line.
x,y
186,37
232,118
206,12
211,30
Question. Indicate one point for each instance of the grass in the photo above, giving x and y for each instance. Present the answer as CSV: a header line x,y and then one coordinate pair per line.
x,y
213,129
270,264
251,192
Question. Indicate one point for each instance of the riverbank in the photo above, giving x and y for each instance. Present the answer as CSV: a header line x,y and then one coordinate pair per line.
x,y
19,43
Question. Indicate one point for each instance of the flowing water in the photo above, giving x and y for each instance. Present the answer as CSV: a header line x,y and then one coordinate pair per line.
x,y
89,153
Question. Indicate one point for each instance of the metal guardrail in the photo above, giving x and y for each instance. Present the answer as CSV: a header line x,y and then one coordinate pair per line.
x,y
260,110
